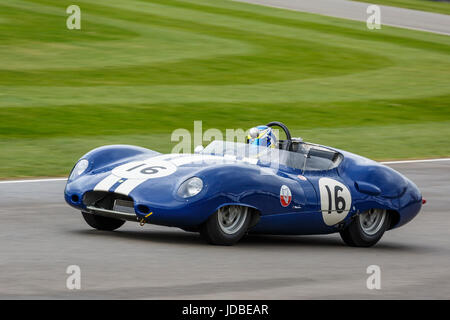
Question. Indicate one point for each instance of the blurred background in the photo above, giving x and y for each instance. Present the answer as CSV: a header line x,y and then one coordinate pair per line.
x,y
137,70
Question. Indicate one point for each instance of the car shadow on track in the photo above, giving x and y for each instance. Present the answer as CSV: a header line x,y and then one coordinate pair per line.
x,y
324,241
179,237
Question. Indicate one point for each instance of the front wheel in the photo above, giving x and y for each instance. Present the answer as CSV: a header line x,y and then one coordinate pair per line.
x,y
226,226
366,229
102,223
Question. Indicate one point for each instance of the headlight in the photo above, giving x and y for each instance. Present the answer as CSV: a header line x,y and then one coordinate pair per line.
x,y
79,168
190,187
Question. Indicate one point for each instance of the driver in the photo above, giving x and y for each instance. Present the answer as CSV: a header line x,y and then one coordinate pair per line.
x,y
262,136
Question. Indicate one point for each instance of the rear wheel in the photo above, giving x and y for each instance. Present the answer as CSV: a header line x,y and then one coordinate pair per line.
x,y
227,225
102,223
366,229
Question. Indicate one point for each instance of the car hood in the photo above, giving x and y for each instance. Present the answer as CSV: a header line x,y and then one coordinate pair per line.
x,y
163,174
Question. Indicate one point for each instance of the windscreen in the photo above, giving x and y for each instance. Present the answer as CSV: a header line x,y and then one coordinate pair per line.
x,y
305,157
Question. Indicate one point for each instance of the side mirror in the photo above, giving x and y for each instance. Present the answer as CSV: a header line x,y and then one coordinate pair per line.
x,y
198,149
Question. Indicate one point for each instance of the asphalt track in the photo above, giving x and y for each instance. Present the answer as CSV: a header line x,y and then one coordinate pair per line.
x,y
398,17
40,236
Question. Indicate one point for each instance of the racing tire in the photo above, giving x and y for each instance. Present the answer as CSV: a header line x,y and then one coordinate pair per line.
x,y
102,223
366,229
226,226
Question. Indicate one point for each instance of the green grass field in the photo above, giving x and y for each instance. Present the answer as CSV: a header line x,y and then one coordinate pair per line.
x,y
423,5
137,70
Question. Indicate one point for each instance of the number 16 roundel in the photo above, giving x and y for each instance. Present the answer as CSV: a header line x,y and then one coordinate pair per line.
x,y
335,201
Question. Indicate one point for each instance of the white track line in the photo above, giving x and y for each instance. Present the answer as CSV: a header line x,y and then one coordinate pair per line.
x,y
415,161
64,179
358,6
30,181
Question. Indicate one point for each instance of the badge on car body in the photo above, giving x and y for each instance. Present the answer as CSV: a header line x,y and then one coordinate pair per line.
x,y
285,196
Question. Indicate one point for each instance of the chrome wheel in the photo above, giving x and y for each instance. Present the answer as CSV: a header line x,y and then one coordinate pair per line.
x,y
372,220
232,218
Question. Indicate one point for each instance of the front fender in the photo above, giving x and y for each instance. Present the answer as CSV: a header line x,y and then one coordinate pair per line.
x,y
103,158
107,155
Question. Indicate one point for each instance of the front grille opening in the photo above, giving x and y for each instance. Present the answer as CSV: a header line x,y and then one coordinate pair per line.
x,y
104,200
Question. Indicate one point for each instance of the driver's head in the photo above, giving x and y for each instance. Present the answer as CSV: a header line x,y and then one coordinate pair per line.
x,y
262,136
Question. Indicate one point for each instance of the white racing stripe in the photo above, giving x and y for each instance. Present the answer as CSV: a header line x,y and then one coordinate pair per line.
x,y
107,183
200,158
128,186
65,179
195,158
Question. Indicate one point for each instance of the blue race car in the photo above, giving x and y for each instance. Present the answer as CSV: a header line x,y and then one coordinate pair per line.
x,y
229,189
